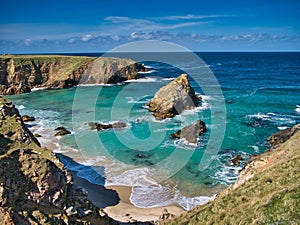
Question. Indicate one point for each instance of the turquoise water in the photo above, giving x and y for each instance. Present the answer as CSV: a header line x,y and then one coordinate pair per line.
x,y
261,93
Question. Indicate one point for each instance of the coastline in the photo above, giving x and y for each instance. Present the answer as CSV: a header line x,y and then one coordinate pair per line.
x,y
115,201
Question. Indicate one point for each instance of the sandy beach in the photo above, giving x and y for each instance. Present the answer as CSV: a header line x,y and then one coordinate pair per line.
x,y
115,202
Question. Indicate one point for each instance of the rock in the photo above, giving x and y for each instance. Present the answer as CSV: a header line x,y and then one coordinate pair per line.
x,y
35,187
27,118
62,131
236,160
173,98
102,126
191,132
284,135
19,74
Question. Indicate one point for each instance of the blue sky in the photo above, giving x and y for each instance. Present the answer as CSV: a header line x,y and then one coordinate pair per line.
x,y
99,25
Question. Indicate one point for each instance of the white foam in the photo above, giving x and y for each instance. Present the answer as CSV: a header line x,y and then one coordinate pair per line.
x,y
101,84
147,72
297,108
282,128
38,88
20,107
142,80
160,196
167,79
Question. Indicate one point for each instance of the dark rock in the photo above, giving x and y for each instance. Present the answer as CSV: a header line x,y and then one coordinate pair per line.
x,y
191,132
173,98
283,136
27,118
236,160
141,156
62,131
101,126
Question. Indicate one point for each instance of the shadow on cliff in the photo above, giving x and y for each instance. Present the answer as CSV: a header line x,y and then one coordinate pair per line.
x,y
93,182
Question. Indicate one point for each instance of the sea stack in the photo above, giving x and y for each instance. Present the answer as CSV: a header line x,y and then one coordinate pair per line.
x,y
173,98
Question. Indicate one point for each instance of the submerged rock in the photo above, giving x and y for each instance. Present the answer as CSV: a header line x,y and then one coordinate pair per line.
x,y
62,131
236,160
173,98
102,126
284,135
191,132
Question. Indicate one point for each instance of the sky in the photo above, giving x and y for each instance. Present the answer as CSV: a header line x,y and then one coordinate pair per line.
x,y
100,25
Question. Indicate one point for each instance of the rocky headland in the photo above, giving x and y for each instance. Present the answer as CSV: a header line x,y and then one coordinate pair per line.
x,y
21,73
35,188
172,99
267,190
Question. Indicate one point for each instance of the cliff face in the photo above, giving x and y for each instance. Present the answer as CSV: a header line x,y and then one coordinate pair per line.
x,y
266,192
19,74
34,186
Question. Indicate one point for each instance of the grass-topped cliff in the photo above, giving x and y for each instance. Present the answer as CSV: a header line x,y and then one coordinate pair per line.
x,y
266,192
20,73
34,186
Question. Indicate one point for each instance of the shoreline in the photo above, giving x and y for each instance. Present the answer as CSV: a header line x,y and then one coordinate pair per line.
x,y
115,201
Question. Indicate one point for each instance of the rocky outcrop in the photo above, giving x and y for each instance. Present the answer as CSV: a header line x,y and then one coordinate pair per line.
x,y
61,131
173,98
191,132
266,192
102,126
19,74
283,135
35,188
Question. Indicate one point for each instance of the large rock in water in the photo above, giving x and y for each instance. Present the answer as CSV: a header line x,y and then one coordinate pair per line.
x,y
191,132
35,187
173,98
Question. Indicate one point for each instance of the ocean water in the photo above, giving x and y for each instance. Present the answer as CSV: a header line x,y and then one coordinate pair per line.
x,y
261,92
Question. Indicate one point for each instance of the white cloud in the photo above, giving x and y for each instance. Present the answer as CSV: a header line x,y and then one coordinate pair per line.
x,y
189,17
86,37
27,42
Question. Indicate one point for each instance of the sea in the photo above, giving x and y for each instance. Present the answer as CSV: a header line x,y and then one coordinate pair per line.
x,y
246,97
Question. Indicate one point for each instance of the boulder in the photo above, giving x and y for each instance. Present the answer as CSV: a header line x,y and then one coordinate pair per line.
x,y
191,132
27,118
62,131
236,160
173,98
102,126
283,136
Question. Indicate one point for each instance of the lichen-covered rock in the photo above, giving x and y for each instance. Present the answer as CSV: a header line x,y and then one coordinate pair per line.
x,y
173,98
191,132
35,188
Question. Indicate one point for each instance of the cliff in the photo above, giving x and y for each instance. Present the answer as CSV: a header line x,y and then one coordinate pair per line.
x,y
267,190
35,188
20,73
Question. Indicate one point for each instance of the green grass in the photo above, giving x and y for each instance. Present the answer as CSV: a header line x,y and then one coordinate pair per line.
x,y
272,196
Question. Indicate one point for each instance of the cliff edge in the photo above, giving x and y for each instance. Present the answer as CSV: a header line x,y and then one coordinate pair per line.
x,y
35,188
21,73
267,190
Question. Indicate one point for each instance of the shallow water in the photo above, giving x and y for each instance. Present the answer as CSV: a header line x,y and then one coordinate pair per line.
x,y
261,92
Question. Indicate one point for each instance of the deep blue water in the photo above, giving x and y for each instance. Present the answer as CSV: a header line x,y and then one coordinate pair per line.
x,y
261,92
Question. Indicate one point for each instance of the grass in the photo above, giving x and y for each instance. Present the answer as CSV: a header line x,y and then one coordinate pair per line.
x,y
272,196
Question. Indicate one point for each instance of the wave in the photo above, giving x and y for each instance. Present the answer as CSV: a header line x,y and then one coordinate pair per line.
x,y
262,119
101,84
170,78
38,88
147,72
142,80
160,196
20,107
297,108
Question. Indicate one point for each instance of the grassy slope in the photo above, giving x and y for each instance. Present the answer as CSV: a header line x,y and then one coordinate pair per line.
x,y
68,64
272,196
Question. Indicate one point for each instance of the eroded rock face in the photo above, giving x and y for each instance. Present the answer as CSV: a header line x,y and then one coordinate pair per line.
x,y
35,188
19,74
283,135
173,98
191,132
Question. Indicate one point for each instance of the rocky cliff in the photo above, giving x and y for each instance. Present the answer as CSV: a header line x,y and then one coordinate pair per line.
x,y
35,188
20,73
173,98
267,190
